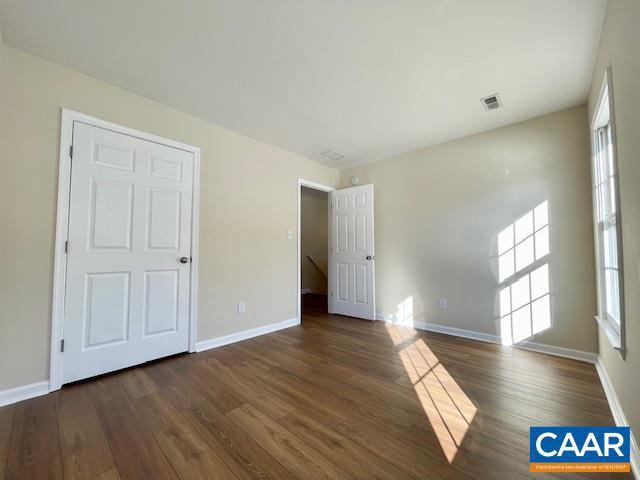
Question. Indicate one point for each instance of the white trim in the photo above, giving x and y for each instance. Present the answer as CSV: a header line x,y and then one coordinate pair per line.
x,y
433,327
618,414
581,355
195,235
616,334
245,335
304,291
62,227
24,392
323,188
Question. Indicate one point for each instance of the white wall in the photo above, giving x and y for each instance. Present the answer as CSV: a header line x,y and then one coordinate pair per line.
x,y
619,48
314,221
439,209
248,202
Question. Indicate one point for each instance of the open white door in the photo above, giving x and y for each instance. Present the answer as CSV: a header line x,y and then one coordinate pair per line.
x,y
351,253
129,249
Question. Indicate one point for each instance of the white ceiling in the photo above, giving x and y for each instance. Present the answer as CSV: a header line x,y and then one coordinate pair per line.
x,y
367,78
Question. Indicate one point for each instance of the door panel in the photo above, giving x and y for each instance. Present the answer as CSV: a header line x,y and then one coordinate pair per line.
x,y
106,318
161,301
163,229
127,294
111,212
352,253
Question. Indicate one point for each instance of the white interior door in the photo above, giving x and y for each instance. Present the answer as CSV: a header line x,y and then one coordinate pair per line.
x,y
351,253
129,241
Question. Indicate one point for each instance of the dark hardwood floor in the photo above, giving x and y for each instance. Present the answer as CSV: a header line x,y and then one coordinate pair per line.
x,y
334,398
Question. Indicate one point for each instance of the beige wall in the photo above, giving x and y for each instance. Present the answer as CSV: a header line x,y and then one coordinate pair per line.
x,y
314,219
248,202
619,48
438,211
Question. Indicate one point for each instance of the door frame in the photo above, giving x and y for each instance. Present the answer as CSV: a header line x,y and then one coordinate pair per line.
x,y
62,227
323,188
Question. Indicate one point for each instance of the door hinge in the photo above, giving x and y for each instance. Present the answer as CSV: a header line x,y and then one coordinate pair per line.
x,y
66,246
62,345
71,151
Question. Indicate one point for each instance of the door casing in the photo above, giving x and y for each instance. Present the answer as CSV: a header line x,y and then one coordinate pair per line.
x,y
62,227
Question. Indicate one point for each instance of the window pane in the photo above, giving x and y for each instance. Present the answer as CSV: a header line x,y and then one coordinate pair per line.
x,y
505,330
505,266
521,324
505,240
524,254
541,215
520,293
611,196
505,301
524,227
601,169
542,243
609,151
610,246
541,314
600,202
612,293
540,281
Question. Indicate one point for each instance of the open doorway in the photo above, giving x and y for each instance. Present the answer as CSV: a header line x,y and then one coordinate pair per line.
x,y
314,255
313,247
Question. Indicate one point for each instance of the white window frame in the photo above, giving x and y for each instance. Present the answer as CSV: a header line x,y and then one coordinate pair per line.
x,y
603,122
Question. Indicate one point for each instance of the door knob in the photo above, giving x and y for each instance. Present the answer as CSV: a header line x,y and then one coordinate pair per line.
x,y
369,257
184,259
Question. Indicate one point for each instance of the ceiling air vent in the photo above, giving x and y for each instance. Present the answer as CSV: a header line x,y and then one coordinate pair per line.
x,y
333,155
492,102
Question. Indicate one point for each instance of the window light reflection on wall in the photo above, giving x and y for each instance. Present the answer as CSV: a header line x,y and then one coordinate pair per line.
x,y
525,307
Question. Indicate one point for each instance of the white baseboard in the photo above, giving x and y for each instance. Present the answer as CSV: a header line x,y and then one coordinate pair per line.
x,y
618,414
490,338
24,392
580,355
245,335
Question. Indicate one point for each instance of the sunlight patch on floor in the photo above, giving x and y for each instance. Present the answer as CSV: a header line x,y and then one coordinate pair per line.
x,y
448,408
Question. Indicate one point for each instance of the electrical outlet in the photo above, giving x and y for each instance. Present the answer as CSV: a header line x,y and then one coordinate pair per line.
x,y
443,303
242,308
289,234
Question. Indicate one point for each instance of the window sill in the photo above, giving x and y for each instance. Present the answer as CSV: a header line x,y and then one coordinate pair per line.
x,y
615,339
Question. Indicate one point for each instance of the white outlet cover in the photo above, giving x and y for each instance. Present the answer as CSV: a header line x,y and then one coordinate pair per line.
x,y
242,308
443,304
289,234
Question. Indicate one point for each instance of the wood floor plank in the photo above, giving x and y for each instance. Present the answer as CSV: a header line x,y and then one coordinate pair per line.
x,y
182,444
134,448
137,383
225,376
342,451
49,469
6,426
177,389
112,474
242,454
84,449
288,449
197,372
34,444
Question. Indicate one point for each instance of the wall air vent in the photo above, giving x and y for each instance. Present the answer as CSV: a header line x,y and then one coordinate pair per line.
x,y
333,155
492,102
